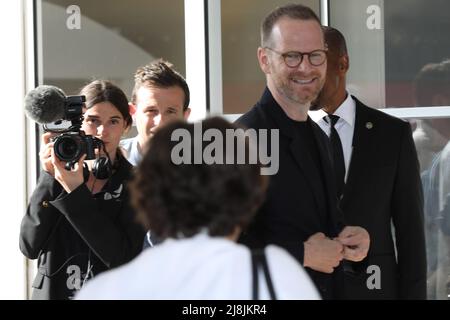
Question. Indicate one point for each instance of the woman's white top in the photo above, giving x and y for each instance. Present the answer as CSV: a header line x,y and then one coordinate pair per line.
x,y
200,267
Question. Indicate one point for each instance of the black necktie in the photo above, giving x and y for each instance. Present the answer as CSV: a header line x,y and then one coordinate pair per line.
x,y
338,155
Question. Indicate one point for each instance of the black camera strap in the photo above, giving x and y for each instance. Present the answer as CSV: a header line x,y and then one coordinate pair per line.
x,y
259,260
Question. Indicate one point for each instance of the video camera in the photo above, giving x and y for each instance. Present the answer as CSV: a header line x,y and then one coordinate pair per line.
x,y
48,104
73,143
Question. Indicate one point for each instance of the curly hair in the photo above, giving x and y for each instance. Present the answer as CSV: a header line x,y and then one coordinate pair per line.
x,y
182,200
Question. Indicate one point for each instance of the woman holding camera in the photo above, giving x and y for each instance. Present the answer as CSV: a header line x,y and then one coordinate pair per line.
x,y
79,222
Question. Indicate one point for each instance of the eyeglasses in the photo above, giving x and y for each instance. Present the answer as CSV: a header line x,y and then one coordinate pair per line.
x,y
294,58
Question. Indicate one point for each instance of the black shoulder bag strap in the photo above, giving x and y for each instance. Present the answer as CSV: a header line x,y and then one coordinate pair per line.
x,y
258,259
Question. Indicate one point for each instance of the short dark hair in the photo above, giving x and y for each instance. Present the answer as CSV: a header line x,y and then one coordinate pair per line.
x,y
182,200
160,74
99,91
335,40
293,11
432,79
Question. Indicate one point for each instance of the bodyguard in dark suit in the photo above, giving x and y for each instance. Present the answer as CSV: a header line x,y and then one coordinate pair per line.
x,y
382,186
300,212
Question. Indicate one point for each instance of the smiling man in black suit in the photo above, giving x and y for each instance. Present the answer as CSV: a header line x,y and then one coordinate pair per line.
x,y
380,184
300,212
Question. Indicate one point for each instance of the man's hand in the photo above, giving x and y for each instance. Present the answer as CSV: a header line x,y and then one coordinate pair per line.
x,y
356,242
322,254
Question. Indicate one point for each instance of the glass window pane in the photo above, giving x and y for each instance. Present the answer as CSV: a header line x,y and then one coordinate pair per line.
x,y
365,45
414,38
389,45
243,80
433,147
113,39
107,39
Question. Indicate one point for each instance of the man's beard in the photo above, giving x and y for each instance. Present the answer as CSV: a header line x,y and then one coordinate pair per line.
x,y
297,97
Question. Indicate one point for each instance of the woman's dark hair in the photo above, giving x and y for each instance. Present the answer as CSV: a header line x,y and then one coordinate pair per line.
x,y
181,200
99,91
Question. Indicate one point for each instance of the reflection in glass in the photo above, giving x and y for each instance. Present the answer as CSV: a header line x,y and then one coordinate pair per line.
x,y
436,186
386,60
414,38
432,88
114,38
366,47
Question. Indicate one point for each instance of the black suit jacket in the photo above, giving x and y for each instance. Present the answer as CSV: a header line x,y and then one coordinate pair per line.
x,y
383,185
300,202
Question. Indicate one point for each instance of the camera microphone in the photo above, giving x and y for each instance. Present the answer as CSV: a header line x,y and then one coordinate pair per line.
x,y
45,104
48,104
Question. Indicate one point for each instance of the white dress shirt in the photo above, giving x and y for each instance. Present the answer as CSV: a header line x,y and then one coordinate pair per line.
x,y
200,267
345,126
131,150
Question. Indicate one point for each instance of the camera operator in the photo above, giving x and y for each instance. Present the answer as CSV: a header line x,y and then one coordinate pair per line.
x,y
79,221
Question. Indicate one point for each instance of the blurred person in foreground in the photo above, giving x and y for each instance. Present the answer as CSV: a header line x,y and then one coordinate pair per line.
x,y
199,210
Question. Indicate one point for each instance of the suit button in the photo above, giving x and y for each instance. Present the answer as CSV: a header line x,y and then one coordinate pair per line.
x,y
45,204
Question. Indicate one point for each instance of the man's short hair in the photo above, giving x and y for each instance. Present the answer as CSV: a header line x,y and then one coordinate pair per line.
x,y
432,79
181,200
160,74
335,40
293,11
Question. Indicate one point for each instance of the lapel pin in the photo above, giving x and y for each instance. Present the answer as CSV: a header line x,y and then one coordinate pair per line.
x,y
369,125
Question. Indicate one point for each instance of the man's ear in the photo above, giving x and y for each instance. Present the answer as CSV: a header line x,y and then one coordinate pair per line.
x,y
132,108
186,113
344,64
263,60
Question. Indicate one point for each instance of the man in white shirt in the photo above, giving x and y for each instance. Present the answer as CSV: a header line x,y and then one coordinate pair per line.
x,y
344,126
160,95
376,166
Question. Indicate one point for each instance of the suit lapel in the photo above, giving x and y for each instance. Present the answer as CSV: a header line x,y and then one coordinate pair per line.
x,y
361,143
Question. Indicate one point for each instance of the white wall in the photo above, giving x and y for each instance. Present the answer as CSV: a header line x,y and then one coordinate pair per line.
x,y
195,57
12,161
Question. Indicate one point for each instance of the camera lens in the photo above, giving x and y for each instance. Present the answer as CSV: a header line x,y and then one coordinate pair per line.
x,y
68,148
